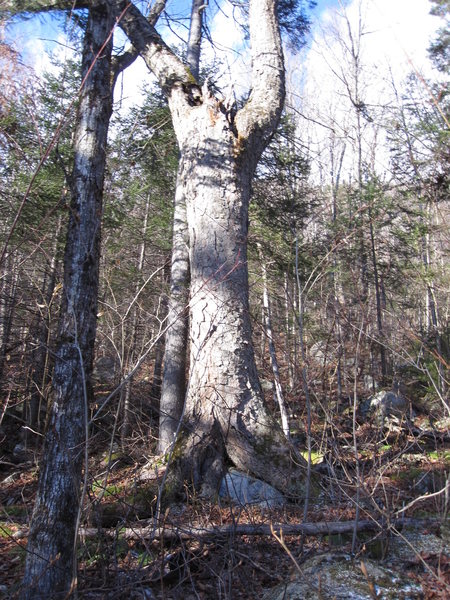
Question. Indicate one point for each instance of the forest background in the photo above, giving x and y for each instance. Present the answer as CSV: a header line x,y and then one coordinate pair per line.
x,y
348,244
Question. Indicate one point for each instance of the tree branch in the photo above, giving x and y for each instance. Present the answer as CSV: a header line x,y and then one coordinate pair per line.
x,y
321,528
159,58
257,120
122,62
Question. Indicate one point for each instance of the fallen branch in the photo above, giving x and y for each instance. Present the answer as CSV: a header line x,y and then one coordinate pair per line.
x,y
191,532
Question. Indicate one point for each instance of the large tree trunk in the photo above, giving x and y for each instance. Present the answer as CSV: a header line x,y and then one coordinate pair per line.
x,y
225,415
50,556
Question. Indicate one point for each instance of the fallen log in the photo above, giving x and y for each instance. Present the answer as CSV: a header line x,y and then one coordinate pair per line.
x,y
171,531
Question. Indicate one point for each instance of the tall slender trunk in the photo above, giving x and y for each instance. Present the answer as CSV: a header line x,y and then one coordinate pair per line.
x,y
433,313
335,174
51,544
7,308
195,36
304,371
288,347
175,357
273,356
381,340
155,391
174,373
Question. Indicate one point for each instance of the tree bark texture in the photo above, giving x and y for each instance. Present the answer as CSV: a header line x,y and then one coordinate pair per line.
x,y
50,551
175,359
174,374
225,413
195,37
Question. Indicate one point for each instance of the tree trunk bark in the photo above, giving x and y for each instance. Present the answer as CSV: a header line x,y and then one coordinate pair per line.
x,y
174,374
225,413
7,308
51,544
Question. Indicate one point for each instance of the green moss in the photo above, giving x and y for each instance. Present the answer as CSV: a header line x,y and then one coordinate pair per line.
x,y
439,455
144,497
110,490
408,475
145,558
190,78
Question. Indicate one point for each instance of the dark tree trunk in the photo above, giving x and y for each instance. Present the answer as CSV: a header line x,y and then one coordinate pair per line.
x,y
49,571
8,295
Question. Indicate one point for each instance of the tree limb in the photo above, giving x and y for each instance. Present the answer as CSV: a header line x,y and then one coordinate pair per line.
x,y
123,61
321,528
258,119
159,58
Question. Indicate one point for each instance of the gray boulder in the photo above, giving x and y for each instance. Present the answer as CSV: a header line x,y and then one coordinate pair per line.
x,y
338,577
242,489
385,405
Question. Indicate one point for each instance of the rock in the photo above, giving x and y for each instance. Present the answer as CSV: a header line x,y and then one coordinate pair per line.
x,y
22,454
242,489
370,383
266,384
410,544
384,405
337,576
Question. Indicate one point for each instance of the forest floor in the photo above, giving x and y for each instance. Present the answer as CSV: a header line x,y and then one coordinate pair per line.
x,y
124,553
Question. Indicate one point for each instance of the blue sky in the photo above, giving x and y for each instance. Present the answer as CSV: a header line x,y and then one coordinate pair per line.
x,y
402,31
34,34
